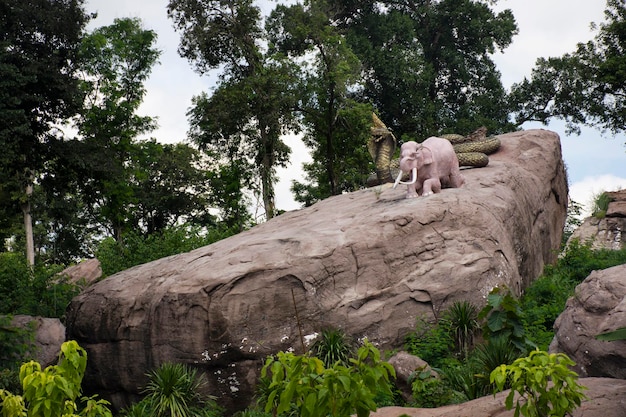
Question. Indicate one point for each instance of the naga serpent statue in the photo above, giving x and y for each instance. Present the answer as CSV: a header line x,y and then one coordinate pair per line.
x,y
472,150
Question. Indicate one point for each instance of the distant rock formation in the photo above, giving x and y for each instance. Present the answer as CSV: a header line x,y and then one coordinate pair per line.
x,y
608,232
597,307
368,262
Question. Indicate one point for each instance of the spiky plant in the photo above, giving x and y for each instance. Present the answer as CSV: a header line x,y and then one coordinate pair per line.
x,y
333,346
174,390
462,319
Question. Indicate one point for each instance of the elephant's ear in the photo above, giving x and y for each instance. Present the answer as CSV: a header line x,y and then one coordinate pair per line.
x,y
428,155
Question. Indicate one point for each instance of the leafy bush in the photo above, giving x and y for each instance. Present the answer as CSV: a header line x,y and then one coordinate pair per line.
x,y
600,205
136,248
54,391
317,391
431,342
504,319
37,292
429,390
544,382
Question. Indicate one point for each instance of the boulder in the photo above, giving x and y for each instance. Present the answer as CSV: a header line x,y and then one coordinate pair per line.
x,y
406,365
367,262
84,273
49,336
606,397
597,307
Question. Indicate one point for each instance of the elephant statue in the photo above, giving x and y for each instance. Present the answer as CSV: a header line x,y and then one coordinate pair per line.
x,y
433,165
381,146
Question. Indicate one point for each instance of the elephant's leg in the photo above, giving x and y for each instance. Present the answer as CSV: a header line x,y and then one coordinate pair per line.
x,y
412,190
430,186
456,180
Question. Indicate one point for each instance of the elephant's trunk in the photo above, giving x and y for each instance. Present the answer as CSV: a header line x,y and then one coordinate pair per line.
x,y
399,178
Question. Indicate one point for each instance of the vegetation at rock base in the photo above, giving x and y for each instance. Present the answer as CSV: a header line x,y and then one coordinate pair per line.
x,y
174,389
319,391
55,390
545,384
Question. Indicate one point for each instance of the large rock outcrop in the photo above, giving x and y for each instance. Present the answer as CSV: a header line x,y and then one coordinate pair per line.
x,y
608,232
368,262
598,306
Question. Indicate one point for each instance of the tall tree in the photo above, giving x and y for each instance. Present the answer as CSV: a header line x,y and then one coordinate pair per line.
x,y
336,127
39,43
117,61
427,64
585,87
242,122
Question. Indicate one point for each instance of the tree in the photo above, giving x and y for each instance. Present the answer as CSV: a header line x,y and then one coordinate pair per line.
x,y
585,87
38,91
336,127
117,61
242,122
427,64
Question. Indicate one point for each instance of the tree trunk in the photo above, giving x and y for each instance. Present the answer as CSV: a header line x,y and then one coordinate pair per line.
x,y
28,227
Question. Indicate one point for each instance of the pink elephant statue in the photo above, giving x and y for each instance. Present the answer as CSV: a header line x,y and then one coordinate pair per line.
x,y
433,165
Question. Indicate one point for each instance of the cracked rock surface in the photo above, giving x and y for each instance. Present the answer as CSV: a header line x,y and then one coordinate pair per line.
x,y
368,262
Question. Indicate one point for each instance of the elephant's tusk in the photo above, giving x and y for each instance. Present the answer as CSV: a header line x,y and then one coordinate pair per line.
x,y
395,184
413,177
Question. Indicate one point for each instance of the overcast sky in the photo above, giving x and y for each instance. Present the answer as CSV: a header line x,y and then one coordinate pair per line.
x,y
546,28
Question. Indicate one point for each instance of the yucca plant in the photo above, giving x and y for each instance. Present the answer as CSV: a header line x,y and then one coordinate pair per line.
x,y
333,346
174,390
462,319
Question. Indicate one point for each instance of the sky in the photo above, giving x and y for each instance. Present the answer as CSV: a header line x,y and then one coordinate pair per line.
x,y
547,28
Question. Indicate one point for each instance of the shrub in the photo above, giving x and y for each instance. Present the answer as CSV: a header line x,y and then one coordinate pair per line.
x,y
36,292
54,391
431,342
600,205
429,390
544,382
136,248
504,319
316,391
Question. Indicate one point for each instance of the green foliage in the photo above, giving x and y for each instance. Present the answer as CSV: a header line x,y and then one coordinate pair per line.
x,y
600,205
584,87
15,344
505,319
572,221
471,378
431,342
429,390
54,391
174,389
462,321
40,292
544,382
332,346
317,391
136,248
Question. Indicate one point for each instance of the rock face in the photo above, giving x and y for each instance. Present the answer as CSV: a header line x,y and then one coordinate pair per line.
x,y
606,397
368,262
608,232
598,306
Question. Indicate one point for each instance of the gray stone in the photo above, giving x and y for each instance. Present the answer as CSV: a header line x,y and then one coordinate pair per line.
x,y
49,336
598,306
368,262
